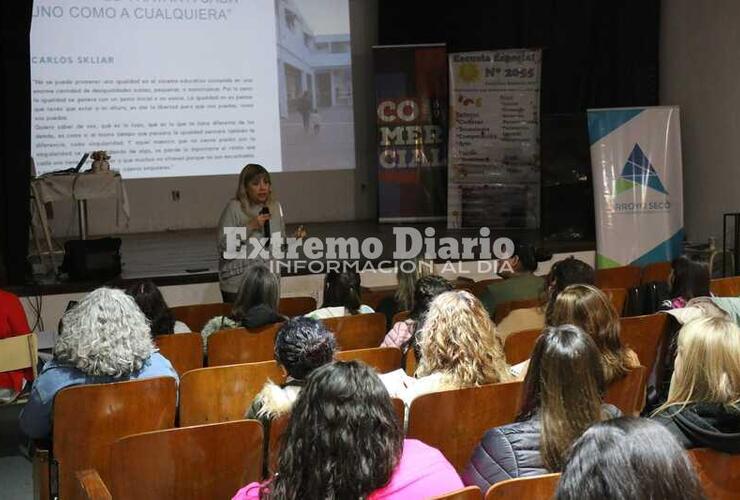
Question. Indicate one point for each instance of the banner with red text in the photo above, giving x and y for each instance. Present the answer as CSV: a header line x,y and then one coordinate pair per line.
x,y
494,147
411,113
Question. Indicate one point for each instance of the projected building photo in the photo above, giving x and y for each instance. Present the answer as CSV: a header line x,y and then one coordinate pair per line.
x,y
315,84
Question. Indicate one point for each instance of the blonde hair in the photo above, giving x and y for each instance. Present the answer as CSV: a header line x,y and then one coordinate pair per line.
x,y
248,173
590,309
407,281
707,364
459,340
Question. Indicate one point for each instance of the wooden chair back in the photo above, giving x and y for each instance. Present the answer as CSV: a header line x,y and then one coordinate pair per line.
x,y
205,461
88,419
454,421
296,306
383,359
359,331
469,493
718,472
19,352
239,345
503,310
531,488
197,315
410,363
223,393
656,272
519,345
628,393
618,277
401,316
374,296
183,350
618,298
725,287
643,335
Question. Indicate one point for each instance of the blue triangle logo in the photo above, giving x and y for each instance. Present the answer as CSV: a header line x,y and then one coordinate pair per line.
x,y
639,170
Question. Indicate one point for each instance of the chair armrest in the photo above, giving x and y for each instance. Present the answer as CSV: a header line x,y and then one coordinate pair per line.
x,y
91,486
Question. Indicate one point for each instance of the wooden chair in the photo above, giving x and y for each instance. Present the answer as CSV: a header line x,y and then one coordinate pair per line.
x,y
519,345
383,359
205,461
374,296
88,419
643,335
719,473
618,277
184,350
454,421
296,306
725,287
410,363
618,298
90,486
239,345
359,331
531,488
656,272
223,393
628,393
469,493
197,315
503,310
401,316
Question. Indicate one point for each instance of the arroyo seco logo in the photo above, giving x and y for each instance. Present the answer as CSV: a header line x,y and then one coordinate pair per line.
x,y
637,172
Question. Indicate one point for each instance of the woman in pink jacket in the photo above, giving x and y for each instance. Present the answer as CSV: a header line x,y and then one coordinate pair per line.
x,y
344,440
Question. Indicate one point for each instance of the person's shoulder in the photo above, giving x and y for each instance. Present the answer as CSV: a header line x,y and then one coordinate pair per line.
x,y
157,366
365,309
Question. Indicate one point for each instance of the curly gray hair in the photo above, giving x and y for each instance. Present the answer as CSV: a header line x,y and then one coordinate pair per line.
x,y
105,334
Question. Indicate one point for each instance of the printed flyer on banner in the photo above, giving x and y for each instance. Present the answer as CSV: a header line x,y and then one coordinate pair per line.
x,y
411,105
494,145
638,189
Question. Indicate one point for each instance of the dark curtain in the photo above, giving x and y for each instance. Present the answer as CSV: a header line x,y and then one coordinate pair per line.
x,y
596,53
15,134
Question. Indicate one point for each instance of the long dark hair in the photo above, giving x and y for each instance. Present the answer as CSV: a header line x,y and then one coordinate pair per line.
x,y
152,304
259,287
342,290
343,439
564,273
690,278
303,344
564,384
628,458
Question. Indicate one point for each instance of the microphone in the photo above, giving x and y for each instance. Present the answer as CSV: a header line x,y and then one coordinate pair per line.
x,y
266,226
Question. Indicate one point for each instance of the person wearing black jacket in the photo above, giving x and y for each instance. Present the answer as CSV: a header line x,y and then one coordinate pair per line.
x,y
703,406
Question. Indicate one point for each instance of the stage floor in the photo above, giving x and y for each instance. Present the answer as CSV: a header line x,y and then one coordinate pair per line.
x,y
190,256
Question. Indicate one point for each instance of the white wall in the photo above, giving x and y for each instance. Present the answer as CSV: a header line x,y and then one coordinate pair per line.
x,y
306,196
700,72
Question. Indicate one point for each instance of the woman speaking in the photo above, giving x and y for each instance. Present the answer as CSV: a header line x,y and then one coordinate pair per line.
x,y
253,208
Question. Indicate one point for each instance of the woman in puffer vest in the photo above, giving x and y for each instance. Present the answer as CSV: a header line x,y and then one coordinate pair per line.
x,y
562,398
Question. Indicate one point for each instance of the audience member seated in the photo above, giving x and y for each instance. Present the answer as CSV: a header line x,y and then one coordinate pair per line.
x,y
562,398
591,310
402,333
255,306
13,322
458,348
564,273
344,441
152,304
341,296
628,458
703,406
518,280
688,279
301,345
105,339
408,273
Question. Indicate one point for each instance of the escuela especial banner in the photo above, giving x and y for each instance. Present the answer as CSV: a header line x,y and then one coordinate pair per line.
x,y
638,186
411,109
494,139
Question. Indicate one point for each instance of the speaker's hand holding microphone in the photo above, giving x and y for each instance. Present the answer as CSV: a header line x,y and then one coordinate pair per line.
x,y
262,221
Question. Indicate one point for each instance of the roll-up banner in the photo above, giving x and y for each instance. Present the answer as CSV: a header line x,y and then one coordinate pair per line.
x,y
638,188
494,161
411,108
